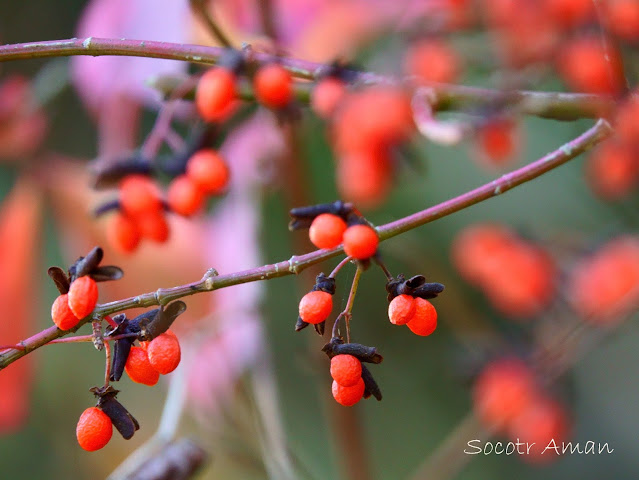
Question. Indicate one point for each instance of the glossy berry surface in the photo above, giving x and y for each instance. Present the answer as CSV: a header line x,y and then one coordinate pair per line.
x,y
424,321
346,370
139,369
83,296
215,94
62,315
360,241
94,429
348,396
326,231
164,353
315,307
401,309
273,86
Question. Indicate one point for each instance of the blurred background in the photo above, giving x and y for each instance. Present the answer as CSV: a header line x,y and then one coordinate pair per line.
x,y
252,392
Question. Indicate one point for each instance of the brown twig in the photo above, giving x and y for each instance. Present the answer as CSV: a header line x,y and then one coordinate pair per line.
x,y
199,6
560,106
298,263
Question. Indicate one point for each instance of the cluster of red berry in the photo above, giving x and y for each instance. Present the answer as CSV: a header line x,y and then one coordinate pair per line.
x,y
517,276
78,288
328,226
508,398
158,354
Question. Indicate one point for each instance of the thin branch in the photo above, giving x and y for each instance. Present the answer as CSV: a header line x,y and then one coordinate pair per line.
x,y
298,263
339,266
561,106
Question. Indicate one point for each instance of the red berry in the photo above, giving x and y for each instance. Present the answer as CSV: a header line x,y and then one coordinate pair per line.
x,y
62,315
401,309
315,307
83,296
273,86
364,177
139,195
216,94
424,321
570,13
348,396
94,429
541,421
139,369
326,96
587,67
432,61
346,370
360,241
123,233
613,170
164,353
208,171
623,18
497,140
154,226
326,230
184,196
502,391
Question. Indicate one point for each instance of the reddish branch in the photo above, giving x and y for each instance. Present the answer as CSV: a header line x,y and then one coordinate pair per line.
x,y
560,106
296,264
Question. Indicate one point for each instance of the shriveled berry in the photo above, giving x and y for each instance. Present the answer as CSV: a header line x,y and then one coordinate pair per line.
x,y
424,321
139,369
360,241
346,370
139,195
122,233
83,296
401,309
154,226
62,315
184,196
315,307
215,94
164,353
326,230
94,429
348,396
273,86
326,96
208,170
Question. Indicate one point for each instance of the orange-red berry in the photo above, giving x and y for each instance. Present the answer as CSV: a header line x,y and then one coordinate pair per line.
x,y
326,96
364,177
424,321
154,226
346,370
497,140
326,230
164,353
315,307
613,170
139,368
432,61
94,429
623,18
83,296
216,94
401,309
208,170
184,196
502,391
273,86
123,233
139,195
360,241
348,396
62,315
